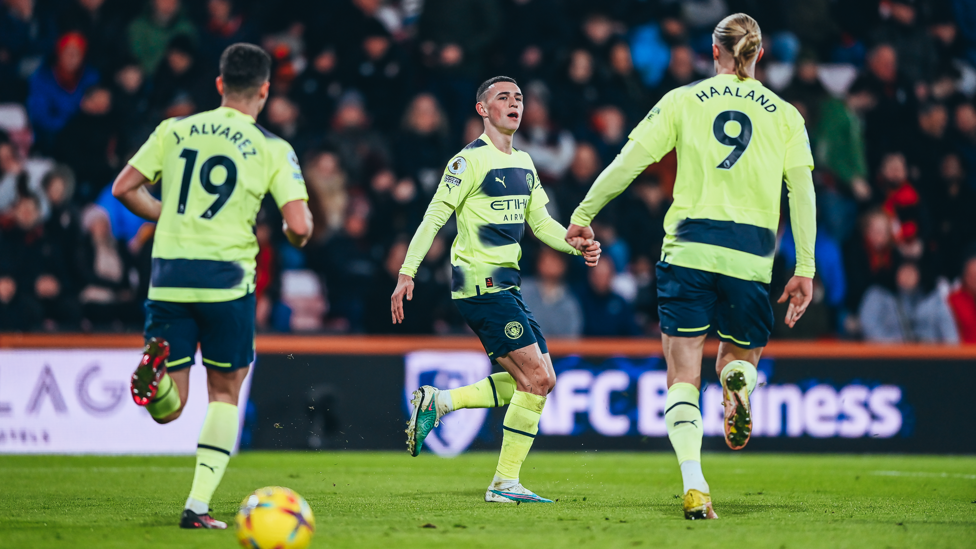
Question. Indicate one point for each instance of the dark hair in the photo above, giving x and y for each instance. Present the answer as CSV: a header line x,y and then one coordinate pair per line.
x,y
244,67
483,88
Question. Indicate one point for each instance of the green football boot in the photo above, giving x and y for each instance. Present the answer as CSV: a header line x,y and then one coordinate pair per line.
x,y
423,419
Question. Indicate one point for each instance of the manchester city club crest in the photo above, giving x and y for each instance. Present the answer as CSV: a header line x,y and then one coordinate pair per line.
x,y
448,370
513,330
529,180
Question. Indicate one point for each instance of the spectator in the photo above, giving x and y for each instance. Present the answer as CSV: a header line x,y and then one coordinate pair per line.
x,y
327,195
347,264
151,32
641,221
886,123
624,88
283,118
550,147
454,37
907,315
902,204
27,34
806,88
915,48
63,225
360,149
578,91
130,103
953,205
20,177
926,149
107,295
87,143
182,78
56,91
572,189
380,75
604,312
548,296
963,302
534,32
965,138
680,72
420,319
609,125
225,25
101,25
870,258
423,147
318,89
34,262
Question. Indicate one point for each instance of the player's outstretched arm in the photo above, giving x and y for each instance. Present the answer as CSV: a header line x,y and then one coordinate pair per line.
x,y
130,188
803,220
552,234
297,222
438,212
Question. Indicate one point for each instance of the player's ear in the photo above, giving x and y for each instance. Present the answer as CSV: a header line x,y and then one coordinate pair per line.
x,y
479,107
761,52
715,52
220,85
264,90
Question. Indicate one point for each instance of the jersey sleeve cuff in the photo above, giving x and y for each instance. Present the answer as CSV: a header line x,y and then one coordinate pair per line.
x,y
408,271
150,176
805,272
580,219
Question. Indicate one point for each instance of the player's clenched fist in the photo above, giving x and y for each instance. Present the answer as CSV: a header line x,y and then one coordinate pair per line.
x,y
591,253
404,287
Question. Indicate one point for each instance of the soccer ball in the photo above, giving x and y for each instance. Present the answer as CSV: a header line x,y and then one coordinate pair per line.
x,y
274,518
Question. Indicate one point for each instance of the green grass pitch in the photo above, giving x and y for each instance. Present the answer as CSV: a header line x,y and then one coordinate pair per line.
x,y
384,500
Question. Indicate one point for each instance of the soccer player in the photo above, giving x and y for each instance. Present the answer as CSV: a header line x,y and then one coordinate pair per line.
x,y
215,168
494,189
736,141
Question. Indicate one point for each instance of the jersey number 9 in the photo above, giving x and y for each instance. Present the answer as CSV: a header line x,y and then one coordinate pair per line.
x,y
740,142
222,191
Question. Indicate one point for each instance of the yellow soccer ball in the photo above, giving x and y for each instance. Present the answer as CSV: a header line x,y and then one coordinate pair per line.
x,y
274,518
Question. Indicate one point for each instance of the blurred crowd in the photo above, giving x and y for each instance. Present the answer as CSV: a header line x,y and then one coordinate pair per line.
x,y
377,95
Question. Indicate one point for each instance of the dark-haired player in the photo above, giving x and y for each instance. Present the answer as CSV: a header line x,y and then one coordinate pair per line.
x,y
494,189
736,142
215,168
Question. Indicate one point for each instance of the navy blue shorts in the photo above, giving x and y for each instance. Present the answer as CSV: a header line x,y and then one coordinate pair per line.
x,y
502,321
690,301
224,330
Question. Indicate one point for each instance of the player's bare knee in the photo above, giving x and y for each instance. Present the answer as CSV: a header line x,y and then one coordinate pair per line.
x,y
552,383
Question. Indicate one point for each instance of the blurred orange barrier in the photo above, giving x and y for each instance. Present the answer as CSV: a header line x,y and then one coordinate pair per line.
x,y
398,345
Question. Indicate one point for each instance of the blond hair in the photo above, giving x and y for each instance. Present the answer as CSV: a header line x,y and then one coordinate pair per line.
x,y
739,35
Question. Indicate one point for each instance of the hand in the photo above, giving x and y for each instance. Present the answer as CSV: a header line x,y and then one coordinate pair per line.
x,y
591,254
800,292
404,287
578,237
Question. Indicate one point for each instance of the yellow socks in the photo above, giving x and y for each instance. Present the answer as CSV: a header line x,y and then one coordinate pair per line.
x,y
684,421
217,439
167,399
520,427
493,391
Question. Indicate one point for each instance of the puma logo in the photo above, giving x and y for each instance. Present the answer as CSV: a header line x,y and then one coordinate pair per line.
x,y
676,423
208,467
502,181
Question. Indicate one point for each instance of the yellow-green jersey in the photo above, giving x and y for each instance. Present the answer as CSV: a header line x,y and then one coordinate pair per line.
x,y
215,169
493,195
735,141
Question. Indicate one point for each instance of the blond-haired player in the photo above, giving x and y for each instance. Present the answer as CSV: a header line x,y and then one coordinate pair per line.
x,y
736,141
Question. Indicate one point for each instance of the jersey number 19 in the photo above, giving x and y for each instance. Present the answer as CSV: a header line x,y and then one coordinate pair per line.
x,y
222,191
740,141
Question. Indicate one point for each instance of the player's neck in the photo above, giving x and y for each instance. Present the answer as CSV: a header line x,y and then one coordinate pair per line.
x,y
501,141
250,108
750,70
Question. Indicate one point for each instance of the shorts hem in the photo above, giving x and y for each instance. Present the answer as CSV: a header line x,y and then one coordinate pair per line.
x,y
739,343
678,332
